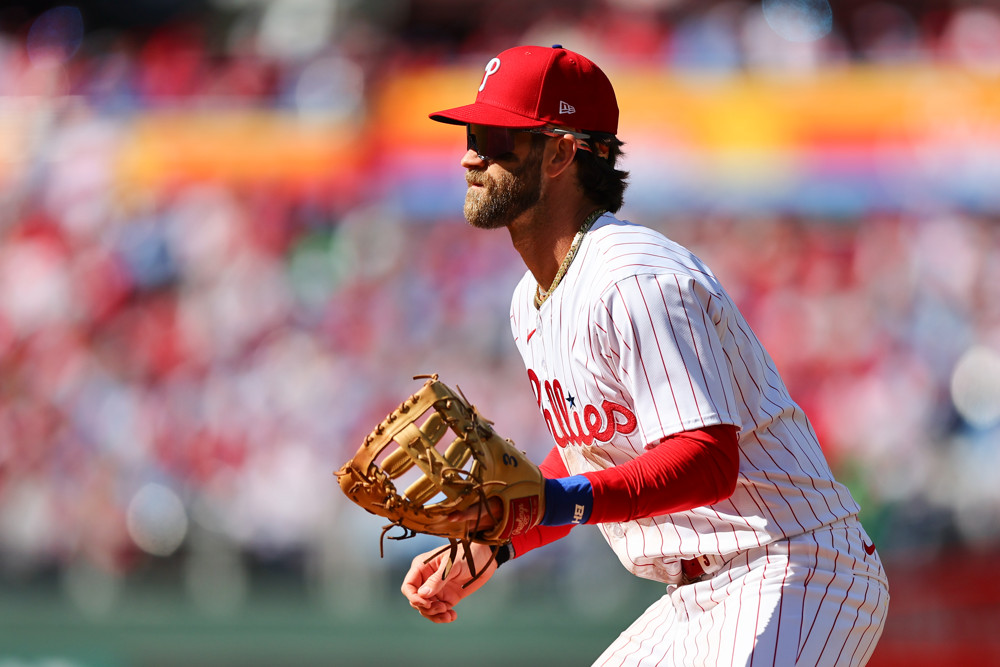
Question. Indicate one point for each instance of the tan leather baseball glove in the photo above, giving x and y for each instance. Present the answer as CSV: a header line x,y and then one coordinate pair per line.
x,y
443,476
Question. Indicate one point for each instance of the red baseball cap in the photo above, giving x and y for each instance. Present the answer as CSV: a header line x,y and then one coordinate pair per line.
x,y
534,86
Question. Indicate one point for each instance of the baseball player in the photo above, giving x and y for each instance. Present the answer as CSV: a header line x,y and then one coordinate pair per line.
x,y
674,433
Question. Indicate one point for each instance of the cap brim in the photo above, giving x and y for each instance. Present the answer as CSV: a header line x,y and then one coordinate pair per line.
x,y
484,114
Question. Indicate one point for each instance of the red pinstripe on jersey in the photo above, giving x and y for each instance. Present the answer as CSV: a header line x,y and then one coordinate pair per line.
x,y
640,323
815,599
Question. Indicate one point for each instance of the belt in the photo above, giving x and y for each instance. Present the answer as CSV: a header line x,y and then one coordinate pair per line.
x,y
694,569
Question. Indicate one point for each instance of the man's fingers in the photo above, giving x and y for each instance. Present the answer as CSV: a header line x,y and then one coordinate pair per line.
x,y
436,583
438,613
446,617
432,586
418,602
430,607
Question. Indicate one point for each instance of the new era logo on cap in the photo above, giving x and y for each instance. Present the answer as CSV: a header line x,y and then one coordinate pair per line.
x,y
533,86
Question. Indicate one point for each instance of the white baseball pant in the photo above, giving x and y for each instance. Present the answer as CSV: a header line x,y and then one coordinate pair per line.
x,y
817,599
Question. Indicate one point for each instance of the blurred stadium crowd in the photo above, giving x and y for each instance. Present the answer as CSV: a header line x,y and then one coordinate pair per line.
x,y
184,361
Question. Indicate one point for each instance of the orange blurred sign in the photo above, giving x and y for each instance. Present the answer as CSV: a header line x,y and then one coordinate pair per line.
x,y
236,146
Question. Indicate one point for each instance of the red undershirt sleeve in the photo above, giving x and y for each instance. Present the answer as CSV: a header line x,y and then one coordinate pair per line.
x,y
687,470
683,471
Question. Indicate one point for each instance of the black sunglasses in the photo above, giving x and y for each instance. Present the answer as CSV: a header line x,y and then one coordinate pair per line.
x,y
492,143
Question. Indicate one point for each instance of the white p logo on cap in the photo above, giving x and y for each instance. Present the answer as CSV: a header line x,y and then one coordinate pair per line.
x,y
491,68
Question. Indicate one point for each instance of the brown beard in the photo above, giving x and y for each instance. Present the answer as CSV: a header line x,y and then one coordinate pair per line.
x,y
502,199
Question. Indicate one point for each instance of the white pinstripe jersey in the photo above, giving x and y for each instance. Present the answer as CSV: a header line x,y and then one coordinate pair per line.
x,y
640,341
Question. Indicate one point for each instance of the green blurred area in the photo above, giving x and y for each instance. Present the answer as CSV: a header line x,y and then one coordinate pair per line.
x,y
154,625
557,608
527,617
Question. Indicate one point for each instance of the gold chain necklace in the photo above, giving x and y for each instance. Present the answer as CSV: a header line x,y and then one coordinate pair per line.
x,y
540,294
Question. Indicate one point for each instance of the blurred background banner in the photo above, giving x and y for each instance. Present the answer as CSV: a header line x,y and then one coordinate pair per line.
x,y
229,236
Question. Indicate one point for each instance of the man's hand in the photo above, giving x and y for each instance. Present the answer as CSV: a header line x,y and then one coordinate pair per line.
x,y
434,595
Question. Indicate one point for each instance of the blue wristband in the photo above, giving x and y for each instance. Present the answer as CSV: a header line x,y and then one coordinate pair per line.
x,y
568,500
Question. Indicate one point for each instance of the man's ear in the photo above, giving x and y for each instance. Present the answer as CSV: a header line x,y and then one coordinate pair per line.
x,y
559,155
